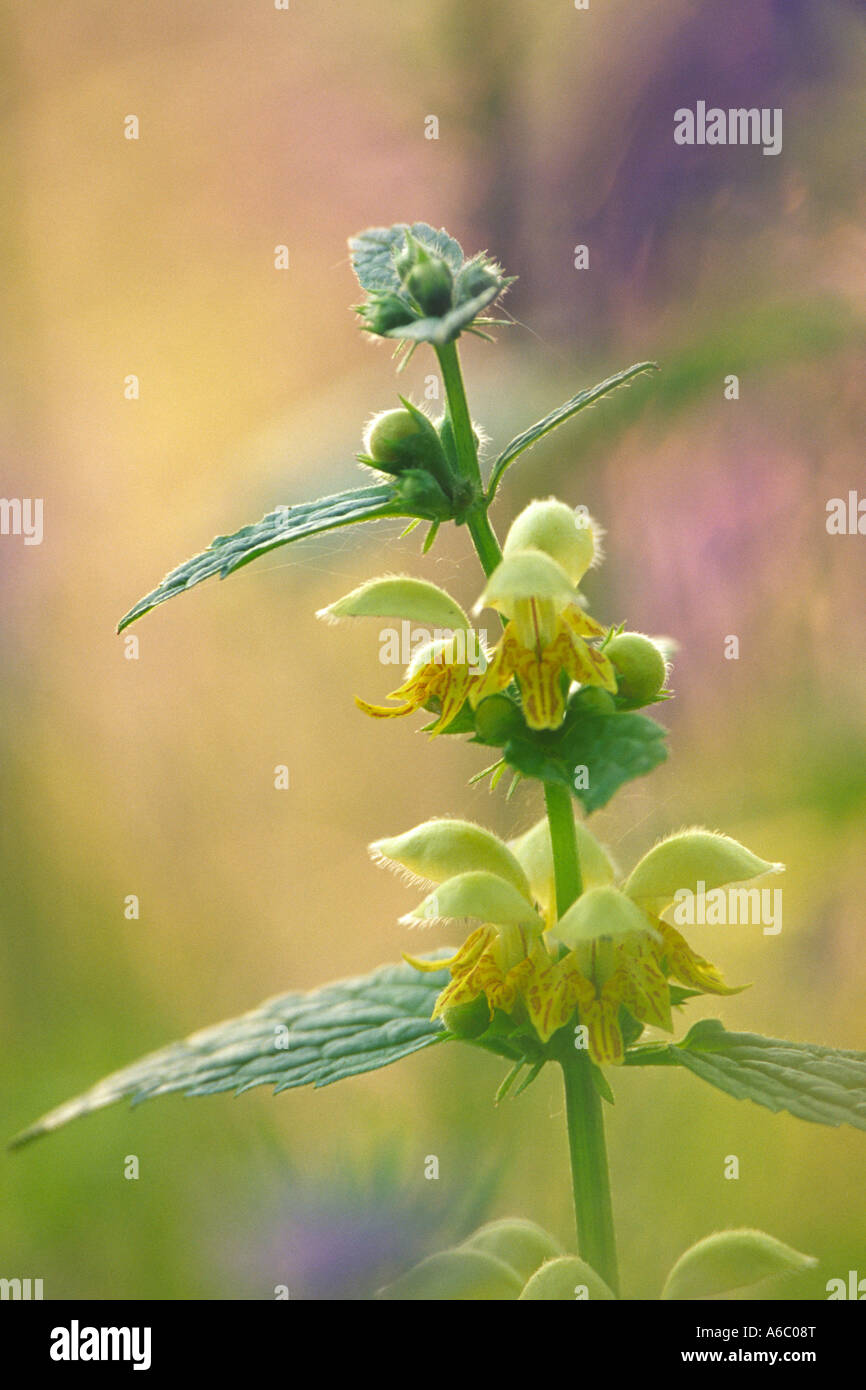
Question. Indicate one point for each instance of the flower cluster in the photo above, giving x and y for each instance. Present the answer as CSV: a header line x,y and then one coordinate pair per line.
x,y
612,949
549,644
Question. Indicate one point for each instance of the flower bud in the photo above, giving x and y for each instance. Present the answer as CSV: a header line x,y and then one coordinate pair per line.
x,y
430,284
399,596
640,666
399,439
566,536
406,259
468,1020
456,1276
533,850
476,278
732,1261
594,700
497,719
383,312
526,574
558,1281
520,1243
421,495
602,912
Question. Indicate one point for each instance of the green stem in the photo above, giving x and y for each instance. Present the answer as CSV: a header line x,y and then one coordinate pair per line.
x,y
566,860
589,1172
482,533
458,409
587,1149
590,1178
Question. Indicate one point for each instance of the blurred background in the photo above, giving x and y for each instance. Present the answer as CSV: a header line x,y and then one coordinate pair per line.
x,y
154,776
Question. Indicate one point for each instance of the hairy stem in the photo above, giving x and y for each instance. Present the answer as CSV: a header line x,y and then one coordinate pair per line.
x,y
482,533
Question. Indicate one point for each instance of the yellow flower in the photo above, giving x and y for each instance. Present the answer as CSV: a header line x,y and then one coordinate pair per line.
x,y
547,634
443,669
434,673
610,949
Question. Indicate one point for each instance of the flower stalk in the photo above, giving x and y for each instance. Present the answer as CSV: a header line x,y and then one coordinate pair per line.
x,y
586,1140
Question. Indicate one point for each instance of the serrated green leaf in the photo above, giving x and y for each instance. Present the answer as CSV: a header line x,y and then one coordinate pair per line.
x,y
225,554
824,1085
524,441
340,1030
614,747
373,251
731,1262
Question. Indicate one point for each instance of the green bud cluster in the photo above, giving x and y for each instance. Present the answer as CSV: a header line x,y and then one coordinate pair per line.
x,y
407,444
428,286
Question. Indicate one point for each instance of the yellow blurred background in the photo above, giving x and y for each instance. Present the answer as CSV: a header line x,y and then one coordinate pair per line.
x,y
154,776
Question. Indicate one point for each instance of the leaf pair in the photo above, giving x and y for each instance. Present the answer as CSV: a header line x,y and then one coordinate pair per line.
x,y
358,1025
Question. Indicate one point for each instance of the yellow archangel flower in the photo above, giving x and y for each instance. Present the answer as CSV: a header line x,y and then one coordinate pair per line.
x,y
610,949
442,669
548,638
548,635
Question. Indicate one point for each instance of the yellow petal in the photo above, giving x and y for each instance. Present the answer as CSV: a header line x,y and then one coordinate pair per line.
x,y
534,852
527,574
428,967
640,984
540,687
399,596
441,849
689,968
602,912
552,992
552,527
580,622
477,894
499,670
683,860
384,711
605,1037
588,666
